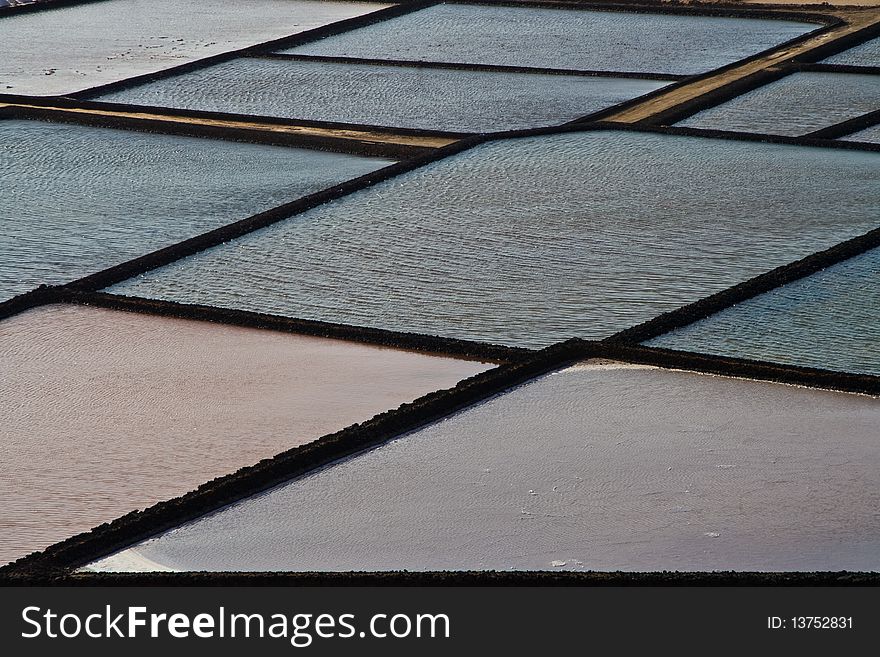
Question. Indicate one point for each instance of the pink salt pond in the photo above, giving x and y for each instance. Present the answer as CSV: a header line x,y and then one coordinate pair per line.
x,y
103,412
598,466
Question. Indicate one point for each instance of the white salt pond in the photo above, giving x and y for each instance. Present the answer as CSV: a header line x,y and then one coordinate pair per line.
x,y
590,468
63,50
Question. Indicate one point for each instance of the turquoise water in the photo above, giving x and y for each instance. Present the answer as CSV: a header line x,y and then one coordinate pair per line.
x,y
530,241
795,105
387,95
829,320
559,38
867,54
77,200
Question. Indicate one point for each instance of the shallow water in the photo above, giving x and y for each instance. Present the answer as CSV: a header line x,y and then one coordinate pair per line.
x,y
867,54
103,412
101,42
387,95
795,105
559,38
869,135
829,320
78,200
591,468
535,240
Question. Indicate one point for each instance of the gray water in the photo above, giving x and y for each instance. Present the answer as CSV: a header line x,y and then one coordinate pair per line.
x,y
829,320
60,51
591,468
387,95
78,200
867,54
868,135
560,38
535,240
795,105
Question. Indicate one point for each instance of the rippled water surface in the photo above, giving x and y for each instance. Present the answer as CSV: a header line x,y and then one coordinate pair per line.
x,y
585,469
388,95
558,38
535,240
867,54
104,412
829,320
77,200
795,105
870,135
77,47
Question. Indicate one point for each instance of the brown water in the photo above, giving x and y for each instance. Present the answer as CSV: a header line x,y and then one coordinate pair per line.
x,y
102,412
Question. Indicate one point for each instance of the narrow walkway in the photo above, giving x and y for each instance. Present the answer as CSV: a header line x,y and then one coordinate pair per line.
x,y
366,135
856,20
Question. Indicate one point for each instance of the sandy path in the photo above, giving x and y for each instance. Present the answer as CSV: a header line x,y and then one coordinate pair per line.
x,y
356,135
675,97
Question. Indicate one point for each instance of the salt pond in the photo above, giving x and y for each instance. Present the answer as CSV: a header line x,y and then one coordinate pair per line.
x,y
596,467
827,320
534,240
78,200
562,38
866,54
868,135
67,49
387,95
795,105
103,412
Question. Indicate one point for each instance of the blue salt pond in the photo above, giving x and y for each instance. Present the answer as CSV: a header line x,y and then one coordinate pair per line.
x,y
78,200
829,320
387,95
562,38
866,54
795,105
597,467
534,240
868,135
